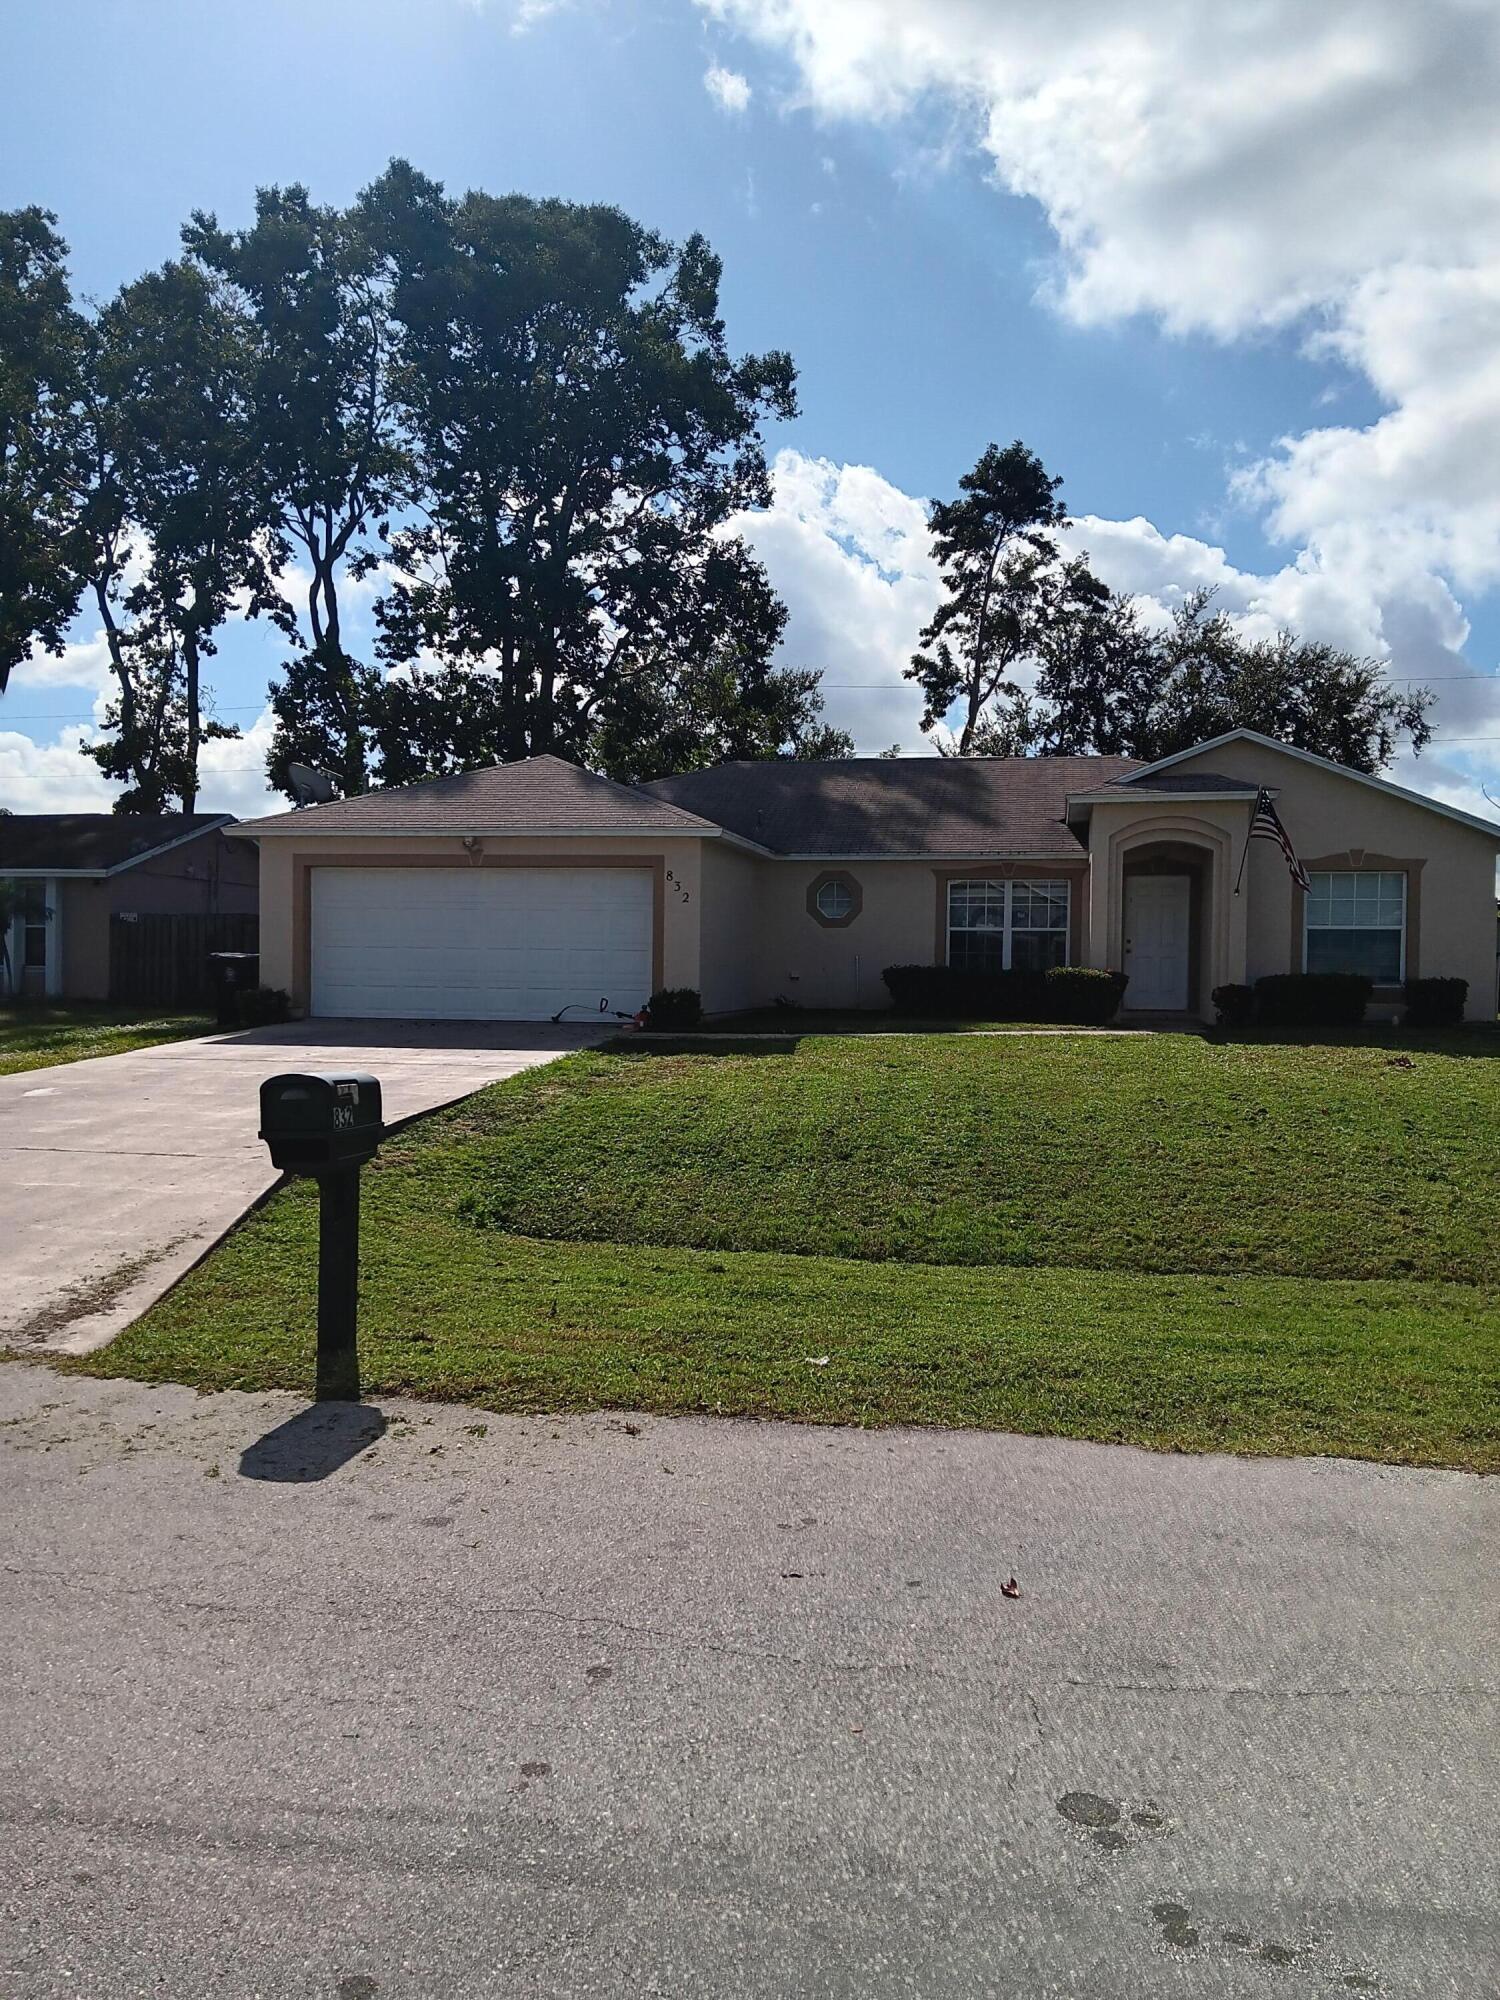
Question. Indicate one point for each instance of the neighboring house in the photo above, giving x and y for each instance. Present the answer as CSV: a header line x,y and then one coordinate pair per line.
x,y
76,871
528,888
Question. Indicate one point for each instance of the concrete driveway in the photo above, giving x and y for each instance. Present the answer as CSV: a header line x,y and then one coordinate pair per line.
x,y
355,1704
117,1174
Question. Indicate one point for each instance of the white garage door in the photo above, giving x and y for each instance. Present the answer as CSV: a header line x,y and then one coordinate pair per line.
x,y
481,944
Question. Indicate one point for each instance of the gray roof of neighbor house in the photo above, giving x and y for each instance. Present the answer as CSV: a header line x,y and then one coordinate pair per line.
x,y
897,805
533,795
94,843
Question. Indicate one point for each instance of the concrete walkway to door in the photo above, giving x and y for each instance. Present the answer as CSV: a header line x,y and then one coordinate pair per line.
x,y
117,1174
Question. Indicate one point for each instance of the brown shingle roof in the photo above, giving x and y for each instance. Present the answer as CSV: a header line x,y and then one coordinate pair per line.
x,y
898,805
534,795
93,841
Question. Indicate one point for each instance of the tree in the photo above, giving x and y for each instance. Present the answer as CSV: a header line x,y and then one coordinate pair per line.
x,y
707,691
1097,680
145,725
581,437
1003,581
41,337
1102,678
1118,688
712,701
307,281
179,473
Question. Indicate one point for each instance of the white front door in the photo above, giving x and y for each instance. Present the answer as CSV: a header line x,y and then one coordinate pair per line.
x,y
476,944
1156,941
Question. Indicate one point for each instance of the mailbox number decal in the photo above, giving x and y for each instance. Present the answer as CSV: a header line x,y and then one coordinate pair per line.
x,y
343,1117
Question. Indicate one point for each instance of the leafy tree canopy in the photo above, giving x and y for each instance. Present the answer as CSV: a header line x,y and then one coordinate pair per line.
x,y
581,437
182,466
1040,658
523,416
1112,685
316,320
41,339
1003,580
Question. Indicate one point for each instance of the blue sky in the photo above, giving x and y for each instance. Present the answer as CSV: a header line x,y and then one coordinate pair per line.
x,y
892,207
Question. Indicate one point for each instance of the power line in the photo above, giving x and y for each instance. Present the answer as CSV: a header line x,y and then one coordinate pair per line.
x,y
832,687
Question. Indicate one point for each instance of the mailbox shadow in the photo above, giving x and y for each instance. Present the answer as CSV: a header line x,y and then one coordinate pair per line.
x,y
313,1444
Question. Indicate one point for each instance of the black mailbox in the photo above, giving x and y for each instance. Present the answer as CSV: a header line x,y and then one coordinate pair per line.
x,y
317,1123
328,1126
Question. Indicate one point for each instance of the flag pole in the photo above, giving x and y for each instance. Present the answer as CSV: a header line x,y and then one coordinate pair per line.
x,y
1245,850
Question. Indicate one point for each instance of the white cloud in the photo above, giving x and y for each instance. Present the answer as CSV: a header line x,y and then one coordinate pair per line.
x,y
232,772
57,777
526,14
82,664
849,553
728,89
1232,169
1217,165
51,777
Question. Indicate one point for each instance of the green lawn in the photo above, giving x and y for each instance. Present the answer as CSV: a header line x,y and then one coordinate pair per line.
x,y
38,1035
1165,1240
864,1021
1117,1153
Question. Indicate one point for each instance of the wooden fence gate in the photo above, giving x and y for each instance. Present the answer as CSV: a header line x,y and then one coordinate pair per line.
x,y
162,961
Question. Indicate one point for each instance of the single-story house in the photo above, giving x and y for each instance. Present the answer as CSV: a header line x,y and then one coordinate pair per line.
x,y
75,872
530,888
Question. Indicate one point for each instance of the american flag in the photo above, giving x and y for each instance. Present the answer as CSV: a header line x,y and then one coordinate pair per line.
x,y
1265,824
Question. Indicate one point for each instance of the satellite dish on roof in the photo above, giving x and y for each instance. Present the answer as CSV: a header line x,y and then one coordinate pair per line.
x,y
309,787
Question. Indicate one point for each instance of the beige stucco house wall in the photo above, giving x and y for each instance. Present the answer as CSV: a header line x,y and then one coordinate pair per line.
x,y
729,887
1335,821
902,920
742,926
213,876
205,875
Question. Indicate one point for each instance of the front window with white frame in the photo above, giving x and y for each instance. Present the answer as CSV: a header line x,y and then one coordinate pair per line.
x,y
1356,922
1002,926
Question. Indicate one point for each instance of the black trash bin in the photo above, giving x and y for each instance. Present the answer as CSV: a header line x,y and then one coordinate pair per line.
x,y
232,973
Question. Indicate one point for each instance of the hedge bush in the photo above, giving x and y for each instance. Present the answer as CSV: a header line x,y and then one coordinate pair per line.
x,y
1312,999
262,1006
1435,1003
1234,1006
1082,994
944,992
1074,993
672,1008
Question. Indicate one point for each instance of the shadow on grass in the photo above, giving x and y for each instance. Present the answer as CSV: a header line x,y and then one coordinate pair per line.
x,y
1476,1038
313,1444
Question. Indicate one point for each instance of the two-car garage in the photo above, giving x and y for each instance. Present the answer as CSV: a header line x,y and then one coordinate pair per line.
x,y
520,892
474,943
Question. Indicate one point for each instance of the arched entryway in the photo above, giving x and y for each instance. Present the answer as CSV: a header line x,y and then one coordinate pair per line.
x,y
1165,895
1170,920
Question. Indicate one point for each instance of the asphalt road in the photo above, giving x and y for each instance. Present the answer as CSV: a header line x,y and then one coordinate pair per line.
x,y
117,1173
527,1707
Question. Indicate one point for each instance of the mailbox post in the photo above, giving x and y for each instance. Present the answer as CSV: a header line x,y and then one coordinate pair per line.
x,y
328,1125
